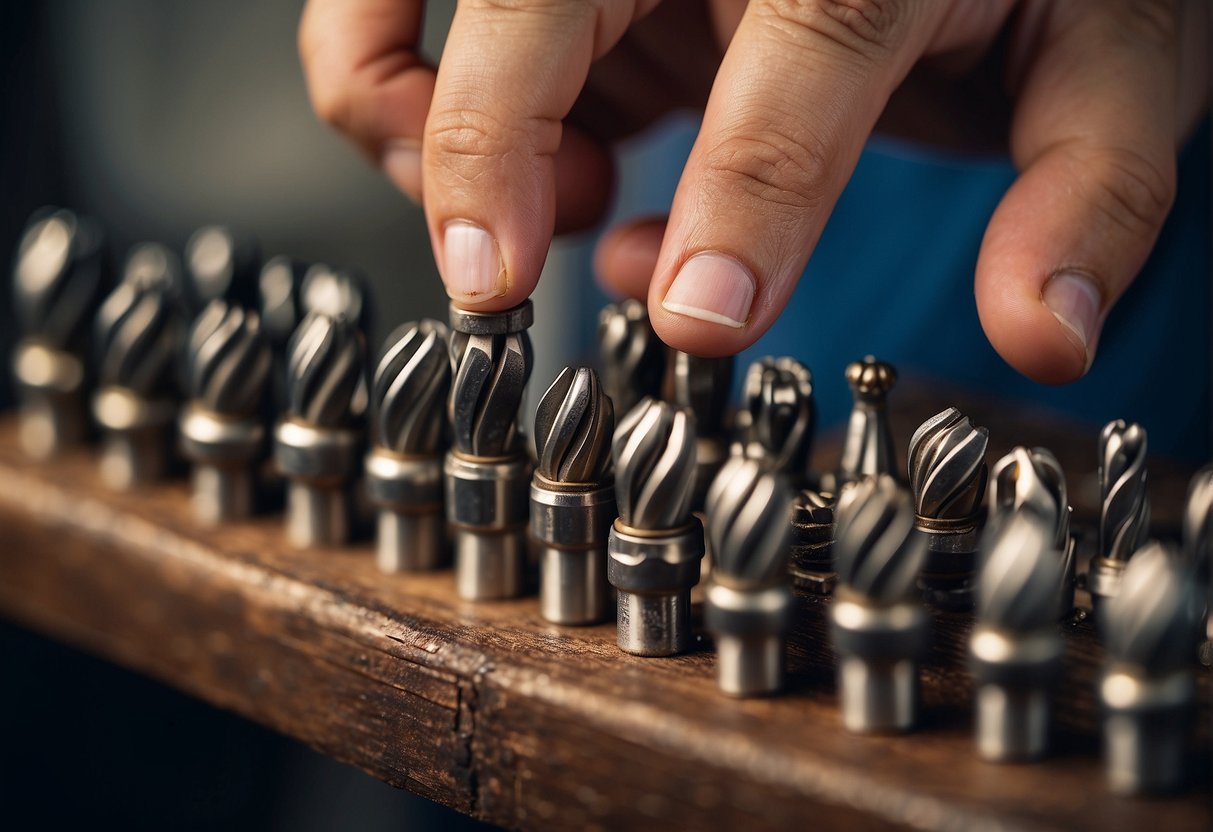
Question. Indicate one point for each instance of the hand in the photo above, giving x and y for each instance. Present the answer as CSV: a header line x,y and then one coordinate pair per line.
x,y
505,143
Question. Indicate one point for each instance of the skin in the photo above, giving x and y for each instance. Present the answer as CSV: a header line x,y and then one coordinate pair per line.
x,y
512,132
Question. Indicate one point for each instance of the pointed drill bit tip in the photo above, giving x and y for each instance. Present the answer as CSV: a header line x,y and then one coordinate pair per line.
x,y
58,277
574,424
1124,514
654,455
948,466
877,550
1031,479
1152,622
227,360
324,370
778,408
748,511
409,390
1020,577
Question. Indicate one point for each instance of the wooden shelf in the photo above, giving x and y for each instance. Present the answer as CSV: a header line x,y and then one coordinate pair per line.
x,y
490,710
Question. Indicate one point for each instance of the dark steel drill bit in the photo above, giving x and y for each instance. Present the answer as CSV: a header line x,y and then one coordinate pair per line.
x,y
1124,509
811,542
1032,480
227,367
487,471
409,437
222,264
1148,688
317,441
1015,650
59,276
879,628
703,386
338,292
139,333
776,419
947,467
656,544
631,354
573,497
868,447
749,599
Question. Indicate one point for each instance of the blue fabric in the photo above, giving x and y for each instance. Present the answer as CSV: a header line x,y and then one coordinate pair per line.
x,y
892,276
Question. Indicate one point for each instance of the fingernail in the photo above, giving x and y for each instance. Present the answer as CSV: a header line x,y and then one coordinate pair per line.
x,y
712,287
402,164
473,268
1075,302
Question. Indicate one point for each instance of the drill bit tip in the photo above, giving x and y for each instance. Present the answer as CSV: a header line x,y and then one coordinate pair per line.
x,y
654,455
778,404
877,550
1031,479
947,466
227,360
410,388
574,424
632,356
870,379
1020,574
324,370
748,512
1152,622
138,332
1124,514
58,277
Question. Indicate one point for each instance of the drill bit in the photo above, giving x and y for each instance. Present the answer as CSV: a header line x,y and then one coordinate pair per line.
x,y
1148,689
811,542
316,443
573,497
703,386
632,356
879,630
1015,650
409,436
222,264
749,600
338,292
1124,508
868,447
227,366
777,417
138,337
487,470
947,466
1198,540
1032,480
656,544
59,276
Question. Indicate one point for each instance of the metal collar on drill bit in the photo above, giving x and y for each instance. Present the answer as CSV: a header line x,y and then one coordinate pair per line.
x,y
518,319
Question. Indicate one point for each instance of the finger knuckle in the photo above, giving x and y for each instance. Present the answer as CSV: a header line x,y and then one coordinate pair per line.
x,y
771,165
862,27
1133,190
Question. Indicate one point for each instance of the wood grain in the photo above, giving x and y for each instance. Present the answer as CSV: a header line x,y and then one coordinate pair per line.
x,y
490,710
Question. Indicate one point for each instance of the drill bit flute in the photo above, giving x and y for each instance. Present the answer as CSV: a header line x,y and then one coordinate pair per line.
x,y
487,470
227,366
749,600
702,385
1198,540
573,497
632,356
656,544
777,417
316,444
409,438
59,276
1124,509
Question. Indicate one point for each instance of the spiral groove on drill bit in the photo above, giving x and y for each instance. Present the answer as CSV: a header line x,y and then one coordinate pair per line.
x,y
877,551
701,385
868,447
58,278
747,514
573,427
654,453
947,466
1198,523
324,370
1151,623
778,406
490,380
1031,479
138,332
410,389
227,360
1020,574
633,357
1124,514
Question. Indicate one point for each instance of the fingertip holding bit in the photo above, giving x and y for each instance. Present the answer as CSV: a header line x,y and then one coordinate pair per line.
x,y
228,364
573,497
316,444
1124,507
1148,687
1015,650
749,599
487,471
878,625
409,437
656,544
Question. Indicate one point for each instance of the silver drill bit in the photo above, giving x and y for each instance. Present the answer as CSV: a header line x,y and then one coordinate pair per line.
x,y
1015,650
879,628
573,497
947,467
631,354
222,264
1148,688
487,471
1032,480
227,367
139,331
58,277
338,292
1124,507
316,443
811,542
409,437
749,599
868,447
656,545
1198,542
776,419
703,386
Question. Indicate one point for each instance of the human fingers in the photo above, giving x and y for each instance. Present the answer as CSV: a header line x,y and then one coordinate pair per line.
x,y
1094,134
627,254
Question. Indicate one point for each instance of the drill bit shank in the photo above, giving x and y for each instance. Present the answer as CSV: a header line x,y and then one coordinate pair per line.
x,y
632,356
702,386
1124,508
868,447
